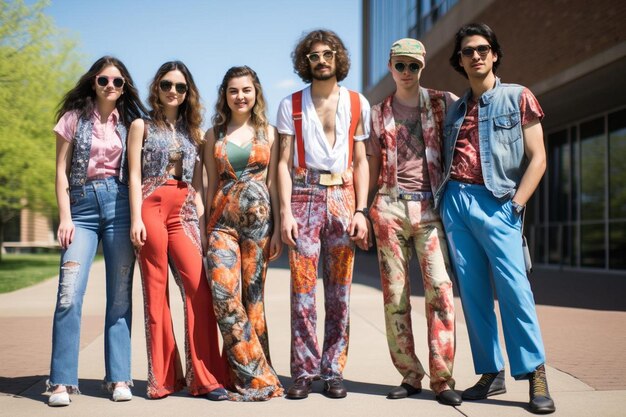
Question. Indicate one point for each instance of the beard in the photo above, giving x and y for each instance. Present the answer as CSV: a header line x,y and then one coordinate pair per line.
x,y
322,77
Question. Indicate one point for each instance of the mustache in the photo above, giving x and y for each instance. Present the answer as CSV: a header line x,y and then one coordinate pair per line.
x,y
321,66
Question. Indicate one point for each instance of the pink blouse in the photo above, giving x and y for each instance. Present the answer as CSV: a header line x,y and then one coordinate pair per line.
x,y
106,145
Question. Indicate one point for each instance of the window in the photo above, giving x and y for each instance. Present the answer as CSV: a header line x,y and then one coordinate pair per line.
x,y
578,214
617,190
430,11
592,193
393,20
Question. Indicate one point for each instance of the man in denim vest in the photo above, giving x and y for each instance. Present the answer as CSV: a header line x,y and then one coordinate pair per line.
x,y
494,158
404,153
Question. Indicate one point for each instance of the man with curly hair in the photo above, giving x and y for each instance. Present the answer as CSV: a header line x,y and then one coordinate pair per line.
x,y
323,184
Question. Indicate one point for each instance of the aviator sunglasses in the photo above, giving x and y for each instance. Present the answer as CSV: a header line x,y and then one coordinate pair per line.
x,y
166,86
482,50
413,67
328,55
104,80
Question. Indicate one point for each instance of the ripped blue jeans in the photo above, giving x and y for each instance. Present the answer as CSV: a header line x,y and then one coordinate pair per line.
x,y
100,212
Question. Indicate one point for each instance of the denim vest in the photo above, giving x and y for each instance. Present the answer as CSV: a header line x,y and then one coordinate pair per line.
x,y
156,155
433,107
500,138
82,149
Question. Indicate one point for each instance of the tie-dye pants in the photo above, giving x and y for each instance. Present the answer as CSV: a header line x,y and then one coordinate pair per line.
x,y
323,215
400,225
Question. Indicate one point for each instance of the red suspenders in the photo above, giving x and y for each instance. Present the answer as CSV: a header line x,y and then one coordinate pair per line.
x,y
296,109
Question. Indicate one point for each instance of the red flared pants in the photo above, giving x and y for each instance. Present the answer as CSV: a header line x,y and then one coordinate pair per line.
x,y
171,222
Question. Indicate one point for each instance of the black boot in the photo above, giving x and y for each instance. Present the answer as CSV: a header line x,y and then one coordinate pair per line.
x,y
540,401
487,385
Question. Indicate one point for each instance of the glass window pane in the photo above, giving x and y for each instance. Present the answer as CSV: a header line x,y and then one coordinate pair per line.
x,y
575,173
592,250
617,165
559,169
617,245
593,153
555,242
562,244
539,245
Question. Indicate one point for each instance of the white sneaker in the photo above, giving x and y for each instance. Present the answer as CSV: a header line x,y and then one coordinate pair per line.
x,y
122,394
60,399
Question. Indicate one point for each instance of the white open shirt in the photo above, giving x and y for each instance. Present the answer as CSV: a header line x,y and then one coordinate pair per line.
x,y
317,151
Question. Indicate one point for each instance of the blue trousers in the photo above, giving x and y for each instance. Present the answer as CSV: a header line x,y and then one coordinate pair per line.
x,y
485,240
100,212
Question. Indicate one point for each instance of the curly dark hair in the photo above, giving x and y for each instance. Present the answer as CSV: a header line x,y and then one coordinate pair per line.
x,y
82,97
301,64
190,111
223,114
472,29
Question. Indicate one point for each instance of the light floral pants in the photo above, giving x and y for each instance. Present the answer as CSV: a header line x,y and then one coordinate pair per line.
x,y
400,225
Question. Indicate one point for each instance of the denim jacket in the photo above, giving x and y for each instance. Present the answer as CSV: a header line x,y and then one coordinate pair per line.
x,y
500,137
82,150
434,105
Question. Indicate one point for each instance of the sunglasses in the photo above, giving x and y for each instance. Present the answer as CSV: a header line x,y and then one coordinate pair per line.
x,y
104,80
328,55
166,86
414,67
482,50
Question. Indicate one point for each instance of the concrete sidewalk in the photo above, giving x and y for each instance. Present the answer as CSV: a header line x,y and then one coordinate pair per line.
x,y
25,326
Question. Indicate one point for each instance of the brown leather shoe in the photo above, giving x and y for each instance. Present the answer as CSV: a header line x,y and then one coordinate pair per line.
x,y
333,388
300,389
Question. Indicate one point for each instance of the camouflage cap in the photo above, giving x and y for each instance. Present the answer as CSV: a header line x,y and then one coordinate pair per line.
x,y
409,47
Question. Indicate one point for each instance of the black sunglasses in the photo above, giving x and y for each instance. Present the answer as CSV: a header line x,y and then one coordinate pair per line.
x,y
482,50
166,86
104,80
401,66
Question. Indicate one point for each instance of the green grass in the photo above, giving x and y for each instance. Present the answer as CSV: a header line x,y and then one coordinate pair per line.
x,y
19,271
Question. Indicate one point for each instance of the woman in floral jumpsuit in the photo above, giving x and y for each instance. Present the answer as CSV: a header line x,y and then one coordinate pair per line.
x,y
243,230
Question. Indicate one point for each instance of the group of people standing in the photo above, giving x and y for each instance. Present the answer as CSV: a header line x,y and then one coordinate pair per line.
x,y
422,170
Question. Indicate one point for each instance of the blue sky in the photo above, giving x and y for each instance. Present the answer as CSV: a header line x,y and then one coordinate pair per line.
x,y
209,36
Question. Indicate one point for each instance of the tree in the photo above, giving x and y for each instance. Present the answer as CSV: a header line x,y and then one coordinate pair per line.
x,y
37,66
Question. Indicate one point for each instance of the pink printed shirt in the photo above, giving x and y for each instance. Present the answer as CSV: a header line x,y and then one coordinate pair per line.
x,y
106,145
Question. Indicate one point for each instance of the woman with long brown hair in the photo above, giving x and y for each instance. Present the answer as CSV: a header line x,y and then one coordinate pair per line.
x,y
166,205
241,156
92,194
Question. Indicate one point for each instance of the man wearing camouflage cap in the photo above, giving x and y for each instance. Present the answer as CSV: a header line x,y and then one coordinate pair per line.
x,y
405,169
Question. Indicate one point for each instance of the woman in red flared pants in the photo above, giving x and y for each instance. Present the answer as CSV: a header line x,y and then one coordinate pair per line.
x,y
165,172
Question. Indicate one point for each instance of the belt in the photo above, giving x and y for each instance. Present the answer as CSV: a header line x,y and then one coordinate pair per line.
x,y
313,177
415,196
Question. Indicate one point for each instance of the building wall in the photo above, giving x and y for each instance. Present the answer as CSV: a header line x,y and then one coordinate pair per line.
x,y
35,227
540,39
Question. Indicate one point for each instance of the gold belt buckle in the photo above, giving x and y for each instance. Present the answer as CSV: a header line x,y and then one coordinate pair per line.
x,y
331,179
